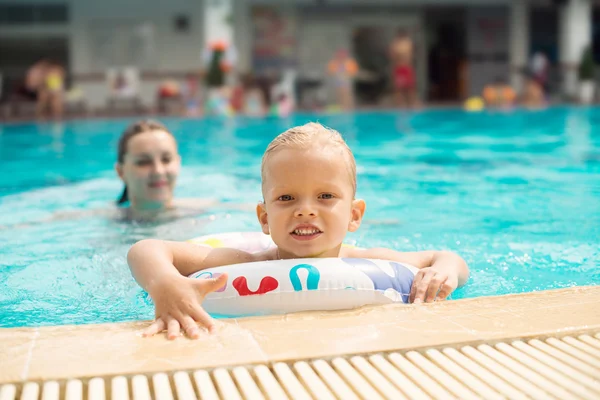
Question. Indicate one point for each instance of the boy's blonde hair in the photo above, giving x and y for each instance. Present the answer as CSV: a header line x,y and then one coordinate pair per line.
x,y
310,135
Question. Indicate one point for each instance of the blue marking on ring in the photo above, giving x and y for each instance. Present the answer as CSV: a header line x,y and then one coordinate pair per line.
x,y
312,283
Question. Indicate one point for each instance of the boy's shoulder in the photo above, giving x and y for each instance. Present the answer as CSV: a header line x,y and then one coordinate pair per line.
x,y
381,253
358,252
267,255
419,259
228,256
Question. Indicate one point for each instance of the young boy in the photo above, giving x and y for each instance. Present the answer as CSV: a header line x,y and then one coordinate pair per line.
x,y
308,185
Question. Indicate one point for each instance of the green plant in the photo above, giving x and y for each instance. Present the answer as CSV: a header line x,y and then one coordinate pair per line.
x,y
215,76
587,67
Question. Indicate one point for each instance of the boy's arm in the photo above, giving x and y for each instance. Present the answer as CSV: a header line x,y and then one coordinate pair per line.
x,y
162,267
440,271
152,261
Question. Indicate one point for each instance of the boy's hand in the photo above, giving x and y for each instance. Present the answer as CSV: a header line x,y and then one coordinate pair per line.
x,y
178,307
431,283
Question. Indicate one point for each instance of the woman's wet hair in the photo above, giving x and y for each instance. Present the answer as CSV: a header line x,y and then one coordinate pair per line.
x,y
132,130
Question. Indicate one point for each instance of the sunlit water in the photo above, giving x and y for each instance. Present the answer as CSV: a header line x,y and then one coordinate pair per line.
x,y
517,195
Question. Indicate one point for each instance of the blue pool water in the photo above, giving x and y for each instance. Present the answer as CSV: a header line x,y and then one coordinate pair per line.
x,y
517,195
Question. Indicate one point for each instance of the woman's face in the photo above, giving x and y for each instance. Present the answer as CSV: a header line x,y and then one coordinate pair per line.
x,y
150,168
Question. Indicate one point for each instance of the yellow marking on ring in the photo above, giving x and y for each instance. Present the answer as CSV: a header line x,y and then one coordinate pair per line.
x,y
214,243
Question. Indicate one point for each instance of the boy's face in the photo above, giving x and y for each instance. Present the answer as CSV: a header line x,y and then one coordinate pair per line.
x,y
309,203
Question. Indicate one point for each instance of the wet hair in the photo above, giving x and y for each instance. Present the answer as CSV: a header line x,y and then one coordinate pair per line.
x,y
132,130
309,136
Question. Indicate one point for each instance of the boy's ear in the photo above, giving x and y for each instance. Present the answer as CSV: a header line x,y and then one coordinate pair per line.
x,y
358,210
261,213
119,169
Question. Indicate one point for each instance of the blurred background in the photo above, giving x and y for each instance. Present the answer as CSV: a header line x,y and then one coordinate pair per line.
x,y
65,58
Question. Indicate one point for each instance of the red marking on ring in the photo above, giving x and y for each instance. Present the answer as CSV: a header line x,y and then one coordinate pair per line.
x,y
267,284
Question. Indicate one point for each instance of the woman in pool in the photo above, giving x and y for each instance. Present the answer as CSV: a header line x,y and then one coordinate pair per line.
x,y
148,163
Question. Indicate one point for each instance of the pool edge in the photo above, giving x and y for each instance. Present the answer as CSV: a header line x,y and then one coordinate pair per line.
x,y
64,352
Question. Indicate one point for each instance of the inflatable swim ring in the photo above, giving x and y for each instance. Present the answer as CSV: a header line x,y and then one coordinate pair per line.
x,y
308,284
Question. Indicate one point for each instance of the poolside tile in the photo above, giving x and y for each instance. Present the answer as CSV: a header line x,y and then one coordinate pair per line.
x,y
537,320
569,297
478,306
87,350
359,331
490,325
15,353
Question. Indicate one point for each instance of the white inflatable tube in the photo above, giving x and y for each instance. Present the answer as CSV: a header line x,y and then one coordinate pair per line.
x,y
285,286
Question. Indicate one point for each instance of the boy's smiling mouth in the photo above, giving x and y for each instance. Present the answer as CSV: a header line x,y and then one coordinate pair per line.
x,y
306,232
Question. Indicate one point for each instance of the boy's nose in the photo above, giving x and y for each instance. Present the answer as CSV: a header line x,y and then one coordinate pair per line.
x,y
305,210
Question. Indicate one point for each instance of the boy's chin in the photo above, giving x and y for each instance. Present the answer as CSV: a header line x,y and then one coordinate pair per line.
x,y
308,253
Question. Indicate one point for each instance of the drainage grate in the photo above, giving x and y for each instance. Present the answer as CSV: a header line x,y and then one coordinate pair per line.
x,y
563,368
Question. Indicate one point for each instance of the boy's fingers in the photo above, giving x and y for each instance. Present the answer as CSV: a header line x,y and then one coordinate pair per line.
x,y
206,320
413,288
213,284
173,329
434,287
422,289
190,327
157,326
444,291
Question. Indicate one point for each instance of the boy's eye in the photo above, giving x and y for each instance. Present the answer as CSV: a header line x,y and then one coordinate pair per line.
x,y
167,159
326,196
285,197
143,162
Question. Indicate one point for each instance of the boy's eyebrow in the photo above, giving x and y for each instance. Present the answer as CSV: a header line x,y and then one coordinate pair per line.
x,y
326,187
278,188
